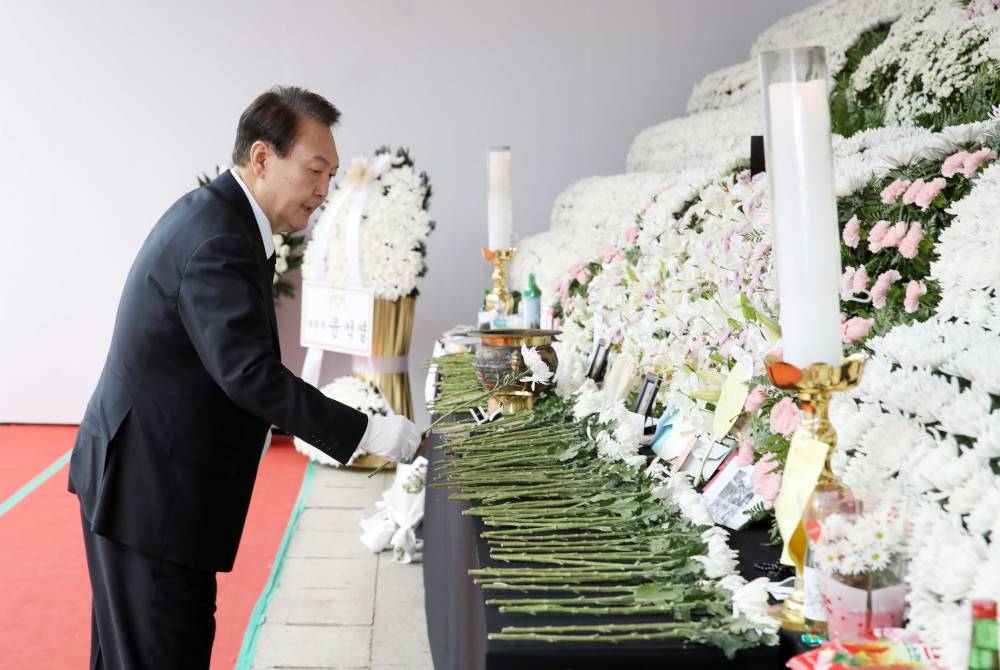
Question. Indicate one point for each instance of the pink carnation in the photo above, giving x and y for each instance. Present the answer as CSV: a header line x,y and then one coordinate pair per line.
x,y
847,283
894,235
876,234
853,329
954,164
911,193
583,276
929,192
974,160
915,290
631,234
892,192
756,399
606,253
785,417
860,279
911,243
765,479
851,234
881,288
745,454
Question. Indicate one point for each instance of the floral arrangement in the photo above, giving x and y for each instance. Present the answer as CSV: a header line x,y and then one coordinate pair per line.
x,y
353,392
852,545
395,223
287,247
836,24
683,285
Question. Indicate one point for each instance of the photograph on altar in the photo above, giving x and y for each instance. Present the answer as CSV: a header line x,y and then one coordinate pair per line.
x,y
689,358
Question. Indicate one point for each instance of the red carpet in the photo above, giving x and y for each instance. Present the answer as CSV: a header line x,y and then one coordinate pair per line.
x,y
45,594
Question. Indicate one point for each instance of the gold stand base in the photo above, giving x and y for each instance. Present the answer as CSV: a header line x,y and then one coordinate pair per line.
x,y
789,614
512,403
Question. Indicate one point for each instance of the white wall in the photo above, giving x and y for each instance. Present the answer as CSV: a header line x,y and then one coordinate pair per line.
x,y
109,109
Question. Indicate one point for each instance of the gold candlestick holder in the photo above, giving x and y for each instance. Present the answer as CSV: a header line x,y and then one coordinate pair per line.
x,y
814,386
500,296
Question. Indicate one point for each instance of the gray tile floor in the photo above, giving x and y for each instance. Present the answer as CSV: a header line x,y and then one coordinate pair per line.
x,y
338,605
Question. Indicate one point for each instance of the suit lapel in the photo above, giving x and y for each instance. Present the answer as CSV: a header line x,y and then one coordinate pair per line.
x,y
225,185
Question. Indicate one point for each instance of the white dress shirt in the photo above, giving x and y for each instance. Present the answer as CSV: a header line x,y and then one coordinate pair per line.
x,y
268,240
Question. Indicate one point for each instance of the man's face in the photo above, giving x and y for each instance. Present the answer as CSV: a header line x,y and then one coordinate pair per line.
x,y
289,189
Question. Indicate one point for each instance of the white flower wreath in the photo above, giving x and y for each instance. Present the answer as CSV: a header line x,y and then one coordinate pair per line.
x,y
394,227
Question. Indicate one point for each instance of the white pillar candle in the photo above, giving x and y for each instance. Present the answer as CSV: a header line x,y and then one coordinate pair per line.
x,y
804,214
498,209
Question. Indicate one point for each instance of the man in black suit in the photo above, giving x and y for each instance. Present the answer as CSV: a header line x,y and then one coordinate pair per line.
x,y
167,453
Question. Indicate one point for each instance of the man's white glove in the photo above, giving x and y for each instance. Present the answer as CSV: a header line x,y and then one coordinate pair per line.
x,y
391,437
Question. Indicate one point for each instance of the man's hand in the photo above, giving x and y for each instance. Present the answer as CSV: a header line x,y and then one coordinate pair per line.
x,y
391,437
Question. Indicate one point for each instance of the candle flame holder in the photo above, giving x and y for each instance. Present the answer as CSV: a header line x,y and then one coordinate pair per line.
x,y
814,386
500,295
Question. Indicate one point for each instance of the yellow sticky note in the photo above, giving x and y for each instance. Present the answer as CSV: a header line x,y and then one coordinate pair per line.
x,y
802,469
731,400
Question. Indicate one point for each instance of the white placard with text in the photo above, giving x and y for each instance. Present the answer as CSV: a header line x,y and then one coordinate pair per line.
x,y
337,318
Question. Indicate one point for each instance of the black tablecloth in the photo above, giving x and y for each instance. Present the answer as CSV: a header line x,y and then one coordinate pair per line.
x,y
458,619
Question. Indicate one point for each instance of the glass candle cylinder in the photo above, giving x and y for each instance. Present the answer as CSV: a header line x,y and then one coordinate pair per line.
x,y
799,161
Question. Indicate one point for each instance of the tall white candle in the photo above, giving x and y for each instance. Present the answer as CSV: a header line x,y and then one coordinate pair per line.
x,y
498,212
804,215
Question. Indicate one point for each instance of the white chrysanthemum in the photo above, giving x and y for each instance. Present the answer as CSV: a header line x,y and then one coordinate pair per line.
x,y
720,560
750,600
933,51
353,392
394,227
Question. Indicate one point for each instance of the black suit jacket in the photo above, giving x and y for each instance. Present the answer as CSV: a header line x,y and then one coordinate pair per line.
x,y
167,452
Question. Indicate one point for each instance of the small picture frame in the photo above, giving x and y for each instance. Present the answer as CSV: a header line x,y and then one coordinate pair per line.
x,y
729,494
598,361
647,395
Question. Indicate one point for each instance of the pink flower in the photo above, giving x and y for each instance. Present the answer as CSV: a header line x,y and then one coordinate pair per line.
x,y
853,329
847,282
915,290
881,288
606,253
631,234
785,417
575,269
892,192
583,276
756,398
894,235
911,243
911,193
954,164
745,455
974,160
876,234
851,234
860,279
764,479
929,192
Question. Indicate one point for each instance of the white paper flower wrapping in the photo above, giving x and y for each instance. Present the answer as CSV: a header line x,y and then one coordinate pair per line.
x,y
398,514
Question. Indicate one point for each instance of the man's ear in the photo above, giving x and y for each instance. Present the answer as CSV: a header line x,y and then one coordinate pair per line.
x,y
259,154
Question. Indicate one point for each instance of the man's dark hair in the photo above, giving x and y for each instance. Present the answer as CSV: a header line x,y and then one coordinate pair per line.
x,y
274,118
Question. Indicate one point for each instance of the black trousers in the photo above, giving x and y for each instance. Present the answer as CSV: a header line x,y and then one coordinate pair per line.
x,y
147,613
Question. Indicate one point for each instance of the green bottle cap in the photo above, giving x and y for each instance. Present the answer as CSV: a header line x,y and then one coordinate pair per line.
x,y
532,291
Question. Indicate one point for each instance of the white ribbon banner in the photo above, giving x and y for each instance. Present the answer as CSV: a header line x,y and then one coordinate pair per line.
x,y
357,187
